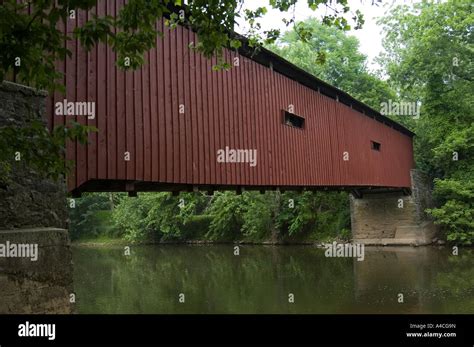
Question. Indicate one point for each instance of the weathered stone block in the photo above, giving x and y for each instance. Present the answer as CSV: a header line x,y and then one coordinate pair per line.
x,y
394,218
41,286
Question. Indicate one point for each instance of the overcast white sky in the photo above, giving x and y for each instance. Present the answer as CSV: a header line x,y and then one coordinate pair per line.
x,y
369,36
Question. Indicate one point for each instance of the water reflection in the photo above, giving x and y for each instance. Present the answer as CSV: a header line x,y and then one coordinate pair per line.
x,y
260,279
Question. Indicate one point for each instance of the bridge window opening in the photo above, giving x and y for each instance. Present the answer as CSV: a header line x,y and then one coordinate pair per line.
x,y
294,120
375,145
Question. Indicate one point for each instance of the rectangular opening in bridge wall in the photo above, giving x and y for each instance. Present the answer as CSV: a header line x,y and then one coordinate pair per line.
x,y
293,120
375,145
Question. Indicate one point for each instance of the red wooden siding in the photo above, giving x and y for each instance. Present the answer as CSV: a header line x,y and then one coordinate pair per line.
x,y
138,112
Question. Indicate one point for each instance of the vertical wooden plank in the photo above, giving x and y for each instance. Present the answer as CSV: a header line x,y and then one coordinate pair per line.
x,y
101,106
199,120
310,149
162,111
111,106
351,142
70,79
221,116
256,122
130,121
121,117
213,166
224,117
194,115
237,174
92,97
169,105
327,134
295,132
303,136
288,138
282,150
319,175
340,142
181,172
286,141
263,128
120,131
206,123
243,68
216,120
81,96
250,118
227,75
154,114
138,117
145,85
175,140
275,117
236,109
270,137
189,107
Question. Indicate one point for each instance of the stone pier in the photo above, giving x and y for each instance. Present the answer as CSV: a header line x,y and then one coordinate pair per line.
x,y
394,218
33,212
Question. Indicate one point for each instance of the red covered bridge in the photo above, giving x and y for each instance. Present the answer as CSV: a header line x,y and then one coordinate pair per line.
x,y
172,125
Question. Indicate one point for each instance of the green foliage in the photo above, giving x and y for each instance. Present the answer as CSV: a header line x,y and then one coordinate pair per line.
x,y
456,213
130,215
91,216
226,216
334,57
435,66
156,216
196,227
170,214
258,215
321,214
248,216
226,211
47,154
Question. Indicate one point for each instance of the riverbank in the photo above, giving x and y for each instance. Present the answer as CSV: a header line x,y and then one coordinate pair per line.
x,y
106,241
109,241
102,241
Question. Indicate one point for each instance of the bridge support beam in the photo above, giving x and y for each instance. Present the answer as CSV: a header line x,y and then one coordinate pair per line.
x,y
394,218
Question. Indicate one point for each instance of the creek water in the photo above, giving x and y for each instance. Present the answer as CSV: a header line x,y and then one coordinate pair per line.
x,y
263,279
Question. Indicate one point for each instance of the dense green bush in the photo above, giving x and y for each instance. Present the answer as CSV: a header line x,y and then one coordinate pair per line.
x,y
91,216
226,216
321,214
434,65
456,211
157,216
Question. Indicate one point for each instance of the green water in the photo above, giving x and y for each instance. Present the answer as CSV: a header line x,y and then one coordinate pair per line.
x,y
260,279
